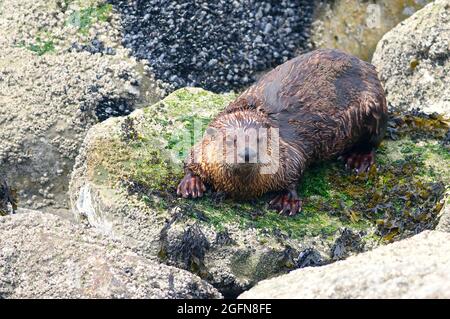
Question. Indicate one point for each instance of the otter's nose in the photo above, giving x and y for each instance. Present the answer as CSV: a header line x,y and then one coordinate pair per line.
x,y
248,155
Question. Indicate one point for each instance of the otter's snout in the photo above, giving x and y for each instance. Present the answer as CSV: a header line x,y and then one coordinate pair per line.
x,y
247,155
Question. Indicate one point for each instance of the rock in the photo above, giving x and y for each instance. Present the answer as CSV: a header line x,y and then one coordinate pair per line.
x,y
51,94
413,61
356,26
413,268
43,256
217,45
444,222
124,184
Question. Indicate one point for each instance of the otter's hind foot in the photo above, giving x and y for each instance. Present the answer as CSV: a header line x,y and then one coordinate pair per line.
x,y
287,203
360,162
191,186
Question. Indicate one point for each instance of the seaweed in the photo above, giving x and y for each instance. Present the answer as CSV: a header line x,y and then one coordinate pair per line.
x,y
8,198
415,208
188,250
347,242
223,238
287,259
417,125
309,257
191,250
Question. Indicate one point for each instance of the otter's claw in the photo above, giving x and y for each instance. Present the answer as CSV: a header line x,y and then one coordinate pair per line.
x,y
359,162
287,204
191,186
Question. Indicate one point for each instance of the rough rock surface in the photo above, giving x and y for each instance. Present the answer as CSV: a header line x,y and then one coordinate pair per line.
x,y
444,221
417,267
356,26
413,60
124,183
62,69
43,256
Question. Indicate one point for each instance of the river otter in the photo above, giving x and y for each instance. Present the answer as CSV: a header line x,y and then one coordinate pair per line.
x,y
317,106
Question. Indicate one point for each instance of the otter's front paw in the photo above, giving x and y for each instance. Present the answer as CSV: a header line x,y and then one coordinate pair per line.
x,y
360,162
286,204
191,185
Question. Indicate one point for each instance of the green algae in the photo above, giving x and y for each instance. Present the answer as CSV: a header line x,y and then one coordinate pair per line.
x,y
334,198
85,14
39,46
168,124
398,199
84,18
150,153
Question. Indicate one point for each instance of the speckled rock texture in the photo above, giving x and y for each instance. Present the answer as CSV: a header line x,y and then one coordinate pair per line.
x,y
417,267
413,60
43,256
62,69
444,222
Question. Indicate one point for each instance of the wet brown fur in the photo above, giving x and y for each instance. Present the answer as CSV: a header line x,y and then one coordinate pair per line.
x,y
325,103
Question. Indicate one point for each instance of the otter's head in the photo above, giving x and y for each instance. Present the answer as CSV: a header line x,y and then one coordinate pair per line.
x,y
240,145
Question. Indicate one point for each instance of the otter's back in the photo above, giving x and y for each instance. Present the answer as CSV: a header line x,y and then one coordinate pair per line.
x,y
322,80
328,96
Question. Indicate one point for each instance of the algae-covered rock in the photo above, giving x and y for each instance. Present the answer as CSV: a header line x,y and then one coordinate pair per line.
x,y
44,256
413,268
413,60
62,69
356,26
125,179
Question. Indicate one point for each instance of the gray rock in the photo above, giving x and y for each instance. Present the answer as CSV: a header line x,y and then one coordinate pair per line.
x,y
52,93
444,222
356,26
413,268
413,60
43,256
